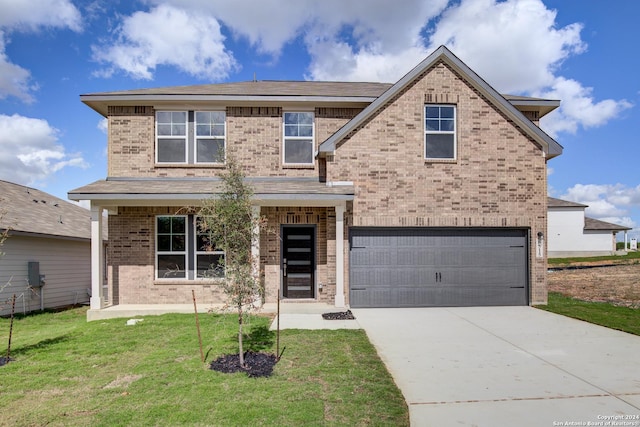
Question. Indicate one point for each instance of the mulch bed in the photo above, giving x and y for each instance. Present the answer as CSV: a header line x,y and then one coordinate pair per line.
x,y
257,364
341,315
4,360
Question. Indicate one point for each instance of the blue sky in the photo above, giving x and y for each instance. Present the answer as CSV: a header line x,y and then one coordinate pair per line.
x,y
582,52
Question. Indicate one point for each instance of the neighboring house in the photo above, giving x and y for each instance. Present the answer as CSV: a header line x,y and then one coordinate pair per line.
x,y
430,191
571,233
48,237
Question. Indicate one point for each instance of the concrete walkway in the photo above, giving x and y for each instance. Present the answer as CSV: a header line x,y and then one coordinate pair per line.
x,y
506,366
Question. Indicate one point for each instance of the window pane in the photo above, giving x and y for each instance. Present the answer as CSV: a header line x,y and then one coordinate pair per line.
x,y
218,117
433,125
171,150
433,112
179,116
291,130
298,151
163,116
305,130
439,146
178,129
305,118
164,243
290,118
164,129
171,266
447,125
210,265
210,151
178,243
218,130
203,130
203,116
446,112
178,225
164,224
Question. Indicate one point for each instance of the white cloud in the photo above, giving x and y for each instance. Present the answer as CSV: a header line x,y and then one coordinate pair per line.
x,y
31,150
187,40
103,125
607,202
578,107
29,16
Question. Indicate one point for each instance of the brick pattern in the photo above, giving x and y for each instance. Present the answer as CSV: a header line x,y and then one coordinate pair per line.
x,y
270,248
252,133
497,180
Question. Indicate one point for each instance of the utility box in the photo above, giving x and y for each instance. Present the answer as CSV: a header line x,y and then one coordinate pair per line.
x,y
634,244
36,280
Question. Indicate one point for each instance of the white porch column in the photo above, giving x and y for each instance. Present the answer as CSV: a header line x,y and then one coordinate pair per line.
x,y
340,256
97,259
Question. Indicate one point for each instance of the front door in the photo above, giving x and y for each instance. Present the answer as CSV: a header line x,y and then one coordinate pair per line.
x,y
298,261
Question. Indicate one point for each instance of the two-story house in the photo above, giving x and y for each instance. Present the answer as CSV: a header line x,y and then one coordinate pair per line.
x,y
431,191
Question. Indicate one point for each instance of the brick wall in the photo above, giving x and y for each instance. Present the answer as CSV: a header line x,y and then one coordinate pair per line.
x,y
497,180
254,138
270,249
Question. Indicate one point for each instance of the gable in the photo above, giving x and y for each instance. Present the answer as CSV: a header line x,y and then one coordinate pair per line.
x,y
442,55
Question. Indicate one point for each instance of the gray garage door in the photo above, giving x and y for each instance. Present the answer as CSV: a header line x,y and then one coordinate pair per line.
x,y
432,267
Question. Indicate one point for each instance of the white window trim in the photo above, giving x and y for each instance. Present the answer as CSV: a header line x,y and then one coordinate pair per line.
x,y
185,252
195,137
186,137
427,132
313,138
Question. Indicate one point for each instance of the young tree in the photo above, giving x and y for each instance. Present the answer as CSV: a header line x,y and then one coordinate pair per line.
x,y
230,225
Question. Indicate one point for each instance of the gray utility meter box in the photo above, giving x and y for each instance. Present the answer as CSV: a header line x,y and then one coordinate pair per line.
x,y
36,280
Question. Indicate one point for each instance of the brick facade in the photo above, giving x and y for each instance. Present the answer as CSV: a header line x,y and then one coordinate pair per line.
x,y
497,180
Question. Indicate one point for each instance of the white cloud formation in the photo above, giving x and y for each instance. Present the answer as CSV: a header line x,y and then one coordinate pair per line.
x,y
103,125
31,150
29,16
607,202
190,41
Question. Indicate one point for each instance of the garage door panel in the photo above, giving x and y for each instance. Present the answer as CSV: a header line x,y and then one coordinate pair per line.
x,y
402,267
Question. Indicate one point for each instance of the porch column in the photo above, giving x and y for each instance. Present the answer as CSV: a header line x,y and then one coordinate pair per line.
x,y
340,256
255,245
97,259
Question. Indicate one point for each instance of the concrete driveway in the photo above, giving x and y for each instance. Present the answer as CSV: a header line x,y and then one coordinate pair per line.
x,y
507,366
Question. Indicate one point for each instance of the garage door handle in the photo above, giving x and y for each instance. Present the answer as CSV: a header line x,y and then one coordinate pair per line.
x,y
358,247
516,287
358,289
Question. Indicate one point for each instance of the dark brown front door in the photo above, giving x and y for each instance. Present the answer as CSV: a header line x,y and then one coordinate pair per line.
x,y
298,261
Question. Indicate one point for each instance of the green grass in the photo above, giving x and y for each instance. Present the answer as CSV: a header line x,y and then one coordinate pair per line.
x,y
621,318
68,372
630,257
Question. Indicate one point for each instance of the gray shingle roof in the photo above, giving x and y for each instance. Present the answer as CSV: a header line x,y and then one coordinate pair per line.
x,y
559,203
199,188
32,211
596,224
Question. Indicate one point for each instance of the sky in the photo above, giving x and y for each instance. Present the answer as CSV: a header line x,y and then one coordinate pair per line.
x,y
583,53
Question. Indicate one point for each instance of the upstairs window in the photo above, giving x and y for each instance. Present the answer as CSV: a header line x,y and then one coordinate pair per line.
x,y
440,132
298,138
210,136
190,137
171,136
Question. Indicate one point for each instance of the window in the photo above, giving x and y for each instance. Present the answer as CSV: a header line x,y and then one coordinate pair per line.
x,y
190,137
298,138
171,135
176,258
210,136
440,132
209,259
171,246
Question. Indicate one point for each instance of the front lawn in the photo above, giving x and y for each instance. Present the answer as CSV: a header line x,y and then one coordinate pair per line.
x,y
68,372
601,313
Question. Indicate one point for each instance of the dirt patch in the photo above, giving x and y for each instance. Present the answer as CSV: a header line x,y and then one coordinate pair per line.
x,y
618,285
257,364
124,381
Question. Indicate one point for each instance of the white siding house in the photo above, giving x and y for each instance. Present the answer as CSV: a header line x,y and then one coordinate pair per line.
x,y
49,235
571,233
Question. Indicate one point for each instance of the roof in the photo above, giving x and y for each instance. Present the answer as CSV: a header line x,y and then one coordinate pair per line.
x,y
250,93
596,224
30,211
442,54
181,191
559,203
